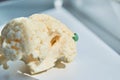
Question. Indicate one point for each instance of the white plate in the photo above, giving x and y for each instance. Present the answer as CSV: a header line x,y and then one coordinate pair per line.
x,y
95,60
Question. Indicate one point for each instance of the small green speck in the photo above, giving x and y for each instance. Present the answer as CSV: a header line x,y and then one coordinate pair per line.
x,y
75,37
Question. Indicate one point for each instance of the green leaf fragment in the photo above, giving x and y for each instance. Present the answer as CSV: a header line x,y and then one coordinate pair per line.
x,y
75,37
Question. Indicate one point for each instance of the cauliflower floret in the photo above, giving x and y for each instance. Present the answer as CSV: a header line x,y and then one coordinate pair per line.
x,y
39,41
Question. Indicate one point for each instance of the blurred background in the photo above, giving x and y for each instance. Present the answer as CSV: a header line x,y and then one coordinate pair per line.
x,y
101,16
